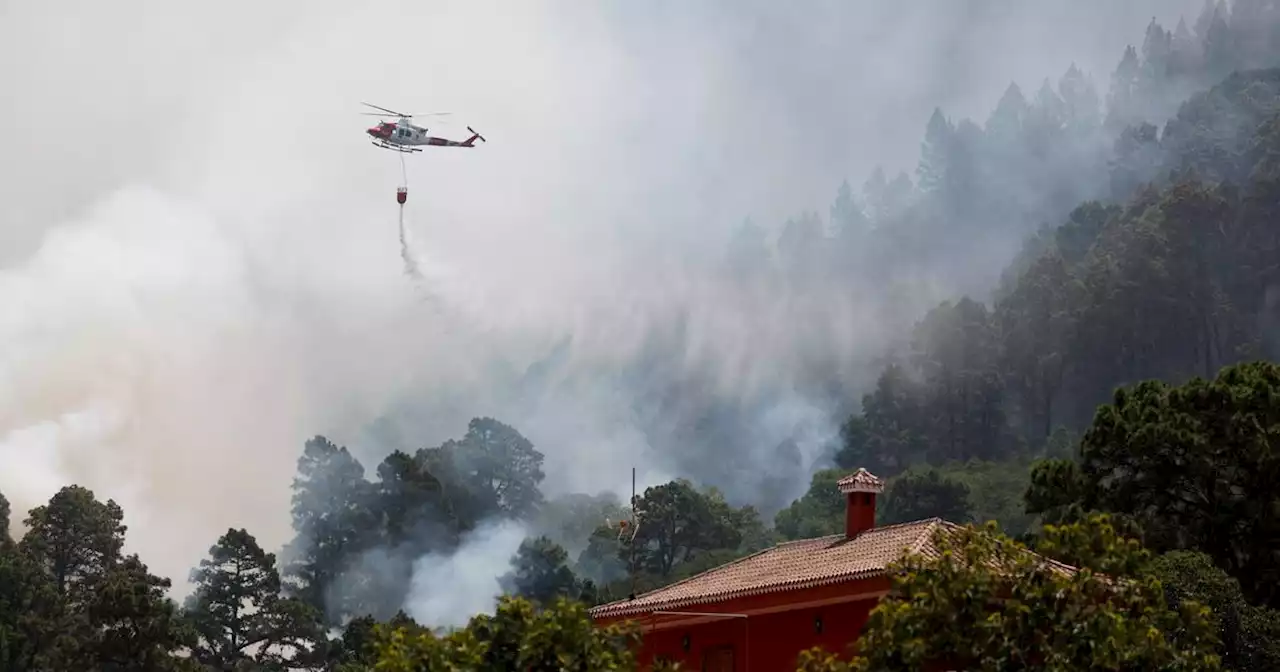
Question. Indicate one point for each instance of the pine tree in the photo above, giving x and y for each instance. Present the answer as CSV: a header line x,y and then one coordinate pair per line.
x,y
1122,98
333,518
1207,14
1185,59
4,519
1157,45
1219,45
238,611
847,218
935,153
1080,100
875,193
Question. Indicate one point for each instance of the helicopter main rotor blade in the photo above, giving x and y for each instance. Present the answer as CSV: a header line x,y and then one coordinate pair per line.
x,y
407,116
383,109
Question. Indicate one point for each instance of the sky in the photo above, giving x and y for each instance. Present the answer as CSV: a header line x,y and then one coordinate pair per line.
x,y
198,247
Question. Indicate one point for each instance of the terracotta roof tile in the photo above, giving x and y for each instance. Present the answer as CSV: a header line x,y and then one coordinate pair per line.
x,y
860,481
789,566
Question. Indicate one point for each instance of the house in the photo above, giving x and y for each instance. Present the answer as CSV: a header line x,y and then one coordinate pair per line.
x,y
759,612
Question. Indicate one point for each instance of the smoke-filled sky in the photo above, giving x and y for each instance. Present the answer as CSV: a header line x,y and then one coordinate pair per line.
x,y
199,265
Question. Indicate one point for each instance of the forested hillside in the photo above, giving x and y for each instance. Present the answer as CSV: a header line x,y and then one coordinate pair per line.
x,y
1118,363
1176,282
1051,164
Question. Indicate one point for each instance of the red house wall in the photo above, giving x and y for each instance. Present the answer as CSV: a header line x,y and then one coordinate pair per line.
x,y
765,642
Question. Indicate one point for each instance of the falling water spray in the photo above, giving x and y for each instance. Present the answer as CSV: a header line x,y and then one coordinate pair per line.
x,y
402,195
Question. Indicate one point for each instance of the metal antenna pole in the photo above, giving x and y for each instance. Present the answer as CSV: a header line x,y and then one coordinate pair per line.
x,y
632,562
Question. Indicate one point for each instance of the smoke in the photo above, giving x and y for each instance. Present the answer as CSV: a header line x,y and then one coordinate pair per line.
x,y
447,590
33,451
200,272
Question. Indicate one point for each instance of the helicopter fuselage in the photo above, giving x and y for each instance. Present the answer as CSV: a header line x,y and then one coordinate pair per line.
x,y
399,134
404,136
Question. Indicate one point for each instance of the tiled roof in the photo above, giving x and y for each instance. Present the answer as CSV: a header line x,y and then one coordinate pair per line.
x,y
860,481
789,566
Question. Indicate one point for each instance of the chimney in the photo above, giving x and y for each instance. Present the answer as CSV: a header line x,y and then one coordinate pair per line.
x,y
860,489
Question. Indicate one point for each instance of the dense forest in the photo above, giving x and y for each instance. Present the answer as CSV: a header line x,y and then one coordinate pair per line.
x,y
1106,398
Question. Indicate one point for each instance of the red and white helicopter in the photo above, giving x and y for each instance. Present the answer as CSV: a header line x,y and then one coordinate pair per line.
x,y
403,136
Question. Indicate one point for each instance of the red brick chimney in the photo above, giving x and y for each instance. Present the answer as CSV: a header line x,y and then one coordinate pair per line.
x,y
860,489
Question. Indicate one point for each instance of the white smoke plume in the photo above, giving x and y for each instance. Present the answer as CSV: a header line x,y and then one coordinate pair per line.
x,y
447,590
200,272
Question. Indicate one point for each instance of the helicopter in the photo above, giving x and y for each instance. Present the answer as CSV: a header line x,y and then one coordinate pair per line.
x,y
403,136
